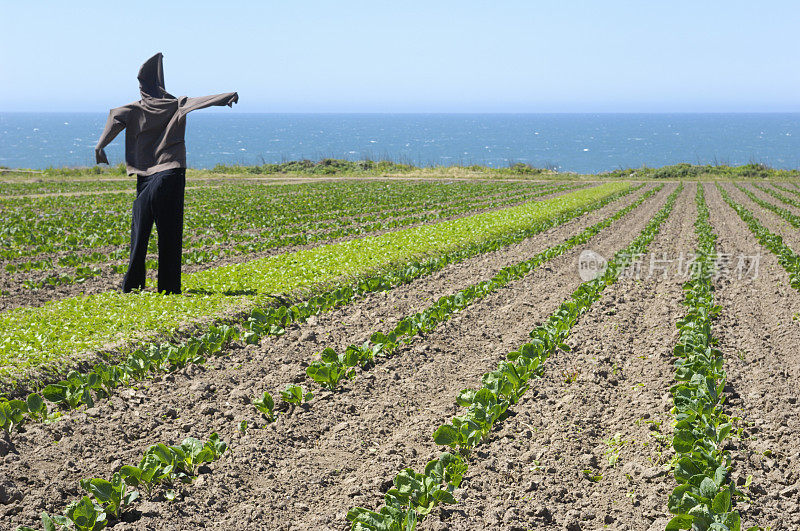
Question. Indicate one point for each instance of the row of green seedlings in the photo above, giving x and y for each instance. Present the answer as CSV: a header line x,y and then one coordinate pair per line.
x,y
331,368
306,237
101,381
202,256
70,260
780,197
788,259
82,274
480,201
275,320
793,191
76,389
415,495
702,500
782,212
161,466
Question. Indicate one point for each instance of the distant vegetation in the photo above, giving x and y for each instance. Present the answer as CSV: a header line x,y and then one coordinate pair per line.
x,y
328,166
339,166
752,170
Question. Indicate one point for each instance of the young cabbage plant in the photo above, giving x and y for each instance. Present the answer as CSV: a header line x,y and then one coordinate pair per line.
x,y
333,367
417,492
266,405
295,395
86,515
37,409
12,415
112,495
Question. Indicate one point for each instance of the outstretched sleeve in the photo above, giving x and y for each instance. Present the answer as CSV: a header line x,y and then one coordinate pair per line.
x,y
117,120
201,102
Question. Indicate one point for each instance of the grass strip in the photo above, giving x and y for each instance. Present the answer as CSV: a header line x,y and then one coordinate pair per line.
x,y
52,336
414,495
702,500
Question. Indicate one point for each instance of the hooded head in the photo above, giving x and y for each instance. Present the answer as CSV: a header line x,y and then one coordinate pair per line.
x,y
151,79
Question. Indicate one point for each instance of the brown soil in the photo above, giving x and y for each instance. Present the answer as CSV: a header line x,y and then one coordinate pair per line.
x,y
305,470
793,209
614,383
769,219
759,333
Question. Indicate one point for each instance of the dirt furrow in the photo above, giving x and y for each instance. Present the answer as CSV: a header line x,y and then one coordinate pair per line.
x,y
791,208
771,220
759,333
602,408
310,451
387,419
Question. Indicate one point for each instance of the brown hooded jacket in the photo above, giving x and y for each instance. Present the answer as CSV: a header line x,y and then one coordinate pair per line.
x,y
156,124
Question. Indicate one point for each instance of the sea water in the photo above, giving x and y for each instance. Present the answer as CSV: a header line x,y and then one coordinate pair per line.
x,y
585,143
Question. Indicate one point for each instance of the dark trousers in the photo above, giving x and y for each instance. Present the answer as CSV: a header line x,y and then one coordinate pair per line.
x,y
159,199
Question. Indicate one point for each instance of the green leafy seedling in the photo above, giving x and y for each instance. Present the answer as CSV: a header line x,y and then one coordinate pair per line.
x,y
48,523
266,405
592,476
113,495
37,409
294,395
86,515
12,415
196,453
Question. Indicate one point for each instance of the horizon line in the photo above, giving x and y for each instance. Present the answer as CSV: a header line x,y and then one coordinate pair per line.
x,y
435,112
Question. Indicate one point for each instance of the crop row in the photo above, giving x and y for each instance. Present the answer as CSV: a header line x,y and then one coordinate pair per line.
x,y
777,195
160,466
787,188
415,495
251,244
273,273
75,390
37,336
57,187
333,367
83,388
702,500
782,212
788,259
46,226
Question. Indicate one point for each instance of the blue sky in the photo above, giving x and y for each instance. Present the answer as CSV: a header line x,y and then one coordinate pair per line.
x,y
411,56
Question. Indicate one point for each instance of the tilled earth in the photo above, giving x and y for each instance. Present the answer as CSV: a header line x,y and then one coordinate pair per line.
x,y
759,333
603,408
216,397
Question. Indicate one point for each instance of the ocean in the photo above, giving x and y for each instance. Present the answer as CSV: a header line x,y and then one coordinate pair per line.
x,y
584,143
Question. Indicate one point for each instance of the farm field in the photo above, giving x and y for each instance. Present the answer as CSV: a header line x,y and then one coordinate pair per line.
x,y
399,354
